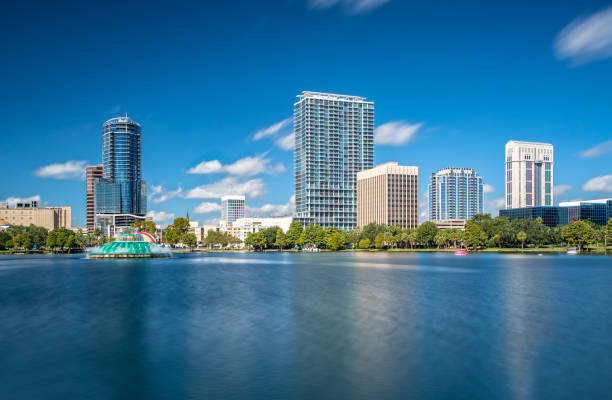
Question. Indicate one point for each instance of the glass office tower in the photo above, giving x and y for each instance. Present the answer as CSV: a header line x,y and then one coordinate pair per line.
x,y
455,193
232,208
121,189
334,139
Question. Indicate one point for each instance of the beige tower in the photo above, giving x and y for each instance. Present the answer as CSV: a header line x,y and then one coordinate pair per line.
x,y
388,194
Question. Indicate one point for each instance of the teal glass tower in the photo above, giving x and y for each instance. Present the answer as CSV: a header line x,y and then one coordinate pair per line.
x,y
334,139
121,189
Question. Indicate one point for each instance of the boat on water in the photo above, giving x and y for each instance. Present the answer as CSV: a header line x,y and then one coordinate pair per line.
x,y
461,252
129,245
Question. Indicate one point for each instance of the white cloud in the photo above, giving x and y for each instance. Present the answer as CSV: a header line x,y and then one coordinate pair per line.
x,y
206,167
160,216
586,38
272,130
486,189
69,170
599,184
159,194
253,188
247,166
352,6
12,201
492,206
286,142
277,210
560,190
395,133
207,207
596,151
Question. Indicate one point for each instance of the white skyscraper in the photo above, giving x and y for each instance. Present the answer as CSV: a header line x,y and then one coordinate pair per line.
x,y
232,208
455,193
529,174
334,139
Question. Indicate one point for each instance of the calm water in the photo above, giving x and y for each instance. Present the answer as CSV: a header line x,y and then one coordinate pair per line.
x,y
308,326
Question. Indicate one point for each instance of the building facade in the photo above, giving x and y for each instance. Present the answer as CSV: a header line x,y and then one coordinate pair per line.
x,y
232,208
597,211
529,174
388,194
243,226
334,140
455,193
445,224
93,172
121,189
26,214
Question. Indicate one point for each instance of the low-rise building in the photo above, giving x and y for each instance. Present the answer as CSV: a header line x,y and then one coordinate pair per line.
x,y
597,211
241,227
445,224
26,214
110,224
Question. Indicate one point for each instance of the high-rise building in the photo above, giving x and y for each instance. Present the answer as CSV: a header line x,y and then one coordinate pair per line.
x,y
29,213
388,194
529,174
93,172
121,190
232,208
334,140
455,193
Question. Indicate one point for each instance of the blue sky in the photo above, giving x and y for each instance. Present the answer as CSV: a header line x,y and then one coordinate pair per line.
x,y
213,86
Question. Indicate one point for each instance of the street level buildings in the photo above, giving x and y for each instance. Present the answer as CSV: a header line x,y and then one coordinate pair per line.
x,y
241,227
26,214
93,172
232,208
597,211
121,190
388,194
334,140
445,224
529,174
455,193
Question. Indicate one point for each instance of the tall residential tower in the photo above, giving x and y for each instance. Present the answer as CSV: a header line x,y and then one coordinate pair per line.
x,y
455,193
334,139
529,174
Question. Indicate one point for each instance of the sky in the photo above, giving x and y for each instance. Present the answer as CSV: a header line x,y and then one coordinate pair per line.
x,y
213,86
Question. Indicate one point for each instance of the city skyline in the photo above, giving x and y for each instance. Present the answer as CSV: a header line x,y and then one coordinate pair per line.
x,y
432,110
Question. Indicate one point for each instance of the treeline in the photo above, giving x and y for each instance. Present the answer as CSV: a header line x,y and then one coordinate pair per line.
x,y
480,232
22,238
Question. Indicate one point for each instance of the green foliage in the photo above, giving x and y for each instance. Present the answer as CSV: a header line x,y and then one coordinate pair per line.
x,y
379,241
23,241
521,237
6,240
171,236
270,234
309,235
256,240
426,233
145,226
472,236
578,233
335,241
364,243
281,239
189,239
181,225
294,233
371,230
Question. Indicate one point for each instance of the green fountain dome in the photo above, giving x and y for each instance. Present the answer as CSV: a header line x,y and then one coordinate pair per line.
x,y
129,245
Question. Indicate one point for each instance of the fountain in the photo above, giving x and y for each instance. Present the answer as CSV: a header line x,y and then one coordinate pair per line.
x,y
129,245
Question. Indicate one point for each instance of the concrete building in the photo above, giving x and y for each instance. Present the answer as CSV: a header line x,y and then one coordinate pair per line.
x,y
597,211
529,174
232,208
26,214
111,224
445,224
121,189
334,140
93,172
243,226
388,194
201,232
455,193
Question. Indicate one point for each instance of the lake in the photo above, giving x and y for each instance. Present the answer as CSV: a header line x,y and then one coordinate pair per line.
x,y
306,326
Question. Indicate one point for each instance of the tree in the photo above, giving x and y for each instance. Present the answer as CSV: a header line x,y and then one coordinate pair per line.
x,y
280,239
608,235
145,226
23,241
472,235
521,237
181,225
440,239
293,234
379,241
371,230
171,236
364,243
426,232
578,233
270,234
6,241
335,241
308,236
189,239
256,240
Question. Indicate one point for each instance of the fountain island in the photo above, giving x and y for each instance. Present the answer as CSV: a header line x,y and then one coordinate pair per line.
x,y
129,245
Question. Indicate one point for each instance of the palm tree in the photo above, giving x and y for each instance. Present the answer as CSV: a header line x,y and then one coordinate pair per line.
x,y
522,236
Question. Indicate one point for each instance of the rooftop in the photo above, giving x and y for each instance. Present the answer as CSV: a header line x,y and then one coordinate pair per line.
x,y
528,143
330,96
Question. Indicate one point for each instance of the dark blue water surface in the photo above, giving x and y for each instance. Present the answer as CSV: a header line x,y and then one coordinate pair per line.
x,y
307,326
